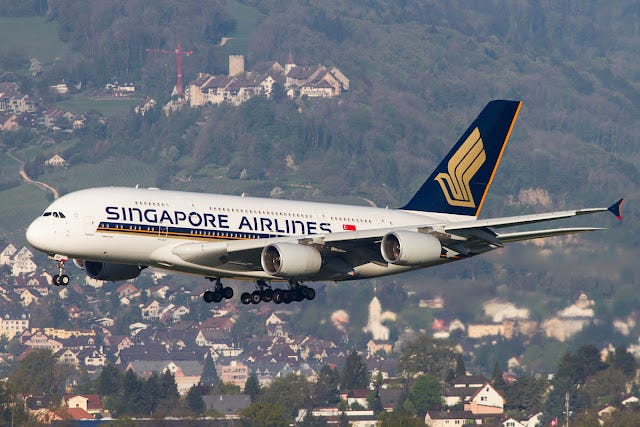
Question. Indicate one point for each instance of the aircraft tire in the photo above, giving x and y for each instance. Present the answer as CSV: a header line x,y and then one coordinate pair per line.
x,y
227,292
255,297
311,294
55,280
267,295
64,280
297,295
245,298
286,298
217,296
278,296
208,296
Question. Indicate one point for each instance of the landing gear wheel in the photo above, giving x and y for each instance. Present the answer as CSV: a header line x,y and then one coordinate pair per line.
x,y
55,280
311,294
245,298
286,298
255,297
278,296
63,280
208,296
217,296
297,295
267,295
227,293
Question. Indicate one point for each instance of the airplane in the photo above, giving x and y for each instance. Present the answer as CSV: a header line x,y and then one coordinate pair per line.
x,y
113,233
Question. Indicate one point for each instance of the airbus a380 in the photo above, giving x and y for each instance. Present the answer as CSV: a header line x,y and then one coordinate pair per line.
x,y
114,233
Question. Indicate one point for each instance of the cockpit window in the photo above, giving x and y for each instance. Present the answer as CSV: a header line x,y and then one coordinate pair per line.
x,y
54,214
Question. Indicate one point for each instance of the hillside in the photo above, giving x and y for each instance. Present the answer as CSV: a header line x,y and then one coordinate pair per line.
x,y
420,72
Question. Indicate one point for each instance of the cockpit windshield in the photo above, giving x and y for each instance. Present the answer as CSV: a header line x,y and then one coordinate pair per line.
x,y
54,214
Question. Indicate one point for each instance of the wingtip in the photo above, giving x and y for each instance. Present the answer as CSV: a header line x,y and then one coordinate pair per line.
x,y
616,209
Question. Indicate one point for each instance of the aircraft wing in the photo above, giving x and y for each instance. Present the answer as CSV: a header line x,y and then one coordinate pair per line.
x,y
243,257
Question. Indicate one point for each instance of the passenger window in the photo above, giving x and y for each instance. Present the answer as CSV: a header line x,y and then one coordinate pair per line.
x,y
61,215
46,214
55,214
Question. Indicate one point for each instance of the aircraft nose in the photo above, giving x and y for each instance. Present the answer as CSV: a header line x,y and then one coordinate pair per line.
x,y
36,234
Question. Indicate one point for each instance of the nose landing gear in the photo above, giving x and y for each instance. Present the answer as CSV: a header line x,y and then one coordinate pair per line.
x,y
60,279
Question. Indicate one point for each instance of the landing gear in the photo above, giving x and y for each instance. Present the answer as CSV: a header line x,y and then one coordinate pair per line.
x,y
264,293
60,279
218,293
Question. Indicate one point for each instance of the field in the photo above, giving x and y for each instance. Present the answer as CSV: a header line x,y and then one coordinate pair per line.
x,y
247,19
32,37
78,104
20,206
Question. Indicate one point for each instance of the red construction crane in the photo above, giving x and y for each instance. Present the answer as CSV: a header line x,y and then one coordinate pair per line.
x,y
178,52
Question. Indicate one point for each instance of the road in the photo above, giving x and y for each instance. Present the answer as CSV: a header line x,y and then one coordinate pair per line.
x,y
25,177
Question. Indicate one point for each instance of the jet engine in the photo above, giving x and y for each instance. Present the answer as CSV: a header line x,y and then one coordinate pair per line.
x,y
410,248
108,271
290,260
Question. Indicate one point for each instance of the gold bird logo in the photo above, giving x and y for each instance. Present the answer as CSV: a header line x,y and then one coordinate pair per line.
x,y
462,167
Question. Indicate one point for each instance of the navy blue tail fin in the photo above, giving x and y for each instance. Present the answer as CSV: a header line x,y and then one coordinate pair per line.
x,y
461,181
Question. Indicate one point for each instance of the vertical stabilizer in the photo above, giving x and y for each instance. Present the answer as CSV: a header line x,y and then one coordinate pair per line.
x,y
460,183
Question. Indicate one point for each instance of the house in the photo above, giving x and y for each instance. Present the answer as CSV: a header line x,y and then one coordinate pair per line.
x,y
90,403
10,326
28,297
512,422
6,256
358,396
227,404
127,290
390,397
57,161
151,311
68,357
476,393
374,347
450,418
39,341
187,373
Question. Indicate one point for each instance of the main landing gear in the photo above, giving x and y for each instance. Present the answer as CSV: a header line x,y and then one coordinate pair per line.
x,y
264,293
218,293
60,279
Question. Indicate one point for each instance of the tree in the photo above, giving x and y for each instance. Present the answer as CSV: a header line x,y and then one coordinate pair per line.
x,y
355,374
252,387
624,361
425,394
38,373
194,400
496,378
461,370
325,390
264,415
428,356
291,393
109,381
209,376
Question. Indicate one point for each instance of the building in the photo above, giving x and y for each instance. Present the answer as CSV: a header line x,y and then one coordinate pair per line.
x,y
234,373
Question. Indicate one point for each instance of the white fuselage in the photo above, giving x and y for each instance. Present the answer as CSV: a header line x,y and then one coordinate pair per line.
x,y
129,225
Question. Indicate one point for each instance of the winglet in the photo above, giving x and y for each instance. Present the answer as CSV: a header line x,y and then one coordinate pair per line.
x,y
615,209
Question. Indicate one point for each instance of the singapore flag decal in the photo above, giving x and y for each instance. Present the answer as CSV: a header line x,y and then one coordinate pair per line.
x,y
348,227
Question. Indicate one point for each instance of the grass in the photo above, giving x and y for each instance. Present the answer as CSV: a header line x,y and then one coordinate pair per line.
x,y
122,171
32,37
247,19
81,103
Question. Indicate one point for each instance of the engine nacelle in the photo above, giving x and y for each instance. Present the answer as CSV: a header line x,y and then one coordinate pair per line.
x,y
111,272
410,248
290,260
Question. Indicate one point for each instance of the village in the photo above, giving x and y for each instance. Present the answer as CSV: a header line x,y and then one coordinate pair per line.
x,y
20,110
164,334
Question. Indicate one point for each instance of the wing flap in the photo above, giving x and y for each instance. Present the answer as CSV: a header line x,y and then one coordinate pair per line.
x,y
540,234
